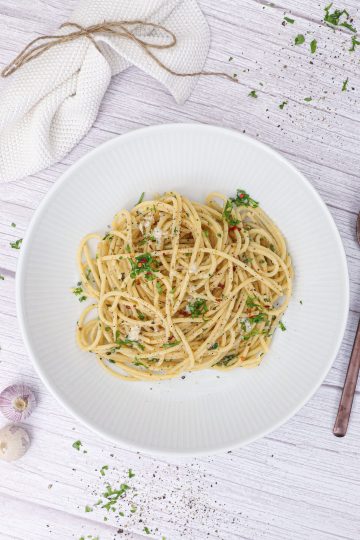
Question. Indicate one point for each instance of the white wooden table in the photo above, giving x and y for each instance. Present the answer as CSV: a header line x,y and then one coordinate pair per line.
x,y
300,482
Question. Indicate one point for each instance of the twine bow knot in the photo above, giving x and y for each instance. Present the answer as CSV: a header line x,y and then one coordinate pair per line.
x,y
40,45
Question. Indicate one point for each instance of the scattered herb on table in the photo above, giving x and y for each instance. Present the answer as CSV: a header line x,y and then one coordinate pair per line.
x,y
131,474
282,105
88,508
299,39
77,445
338,18
288,20
308,99
354,43
16,244
253,94
147,530
103,469
2,277
344,85
313,46
13,224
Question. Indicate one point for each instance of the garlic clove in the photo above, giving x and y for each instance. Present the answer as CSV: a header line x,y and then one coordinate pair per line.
x,y
14,442
17,402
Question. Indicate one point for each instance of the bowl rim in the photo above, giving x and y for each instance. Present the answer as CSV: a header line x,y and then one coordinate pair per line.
x,y
24,253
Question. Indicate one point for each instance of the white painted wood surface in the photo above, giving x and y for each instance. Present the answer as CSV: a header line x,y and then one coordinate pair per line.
x,y
298,483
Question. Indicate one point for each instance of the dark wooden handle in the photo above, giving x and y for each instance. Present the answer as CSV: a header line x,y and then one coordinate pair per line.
x,y
342,419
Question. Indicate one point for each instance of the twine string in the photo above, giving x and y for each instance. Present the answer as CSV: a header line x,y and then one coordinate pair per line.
x,y
40,45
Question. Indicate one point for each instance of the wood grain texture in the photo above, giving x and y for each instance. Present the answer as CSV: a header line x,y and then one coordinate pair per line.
x,y
298,483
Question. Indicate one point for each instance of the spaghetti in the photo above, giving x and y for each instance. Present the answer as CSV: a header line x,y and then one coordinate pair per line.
x,y
183,286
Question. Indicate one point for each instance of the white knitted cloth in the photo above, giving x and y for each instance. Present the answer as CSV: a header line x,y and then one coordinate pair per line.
x,y
49,104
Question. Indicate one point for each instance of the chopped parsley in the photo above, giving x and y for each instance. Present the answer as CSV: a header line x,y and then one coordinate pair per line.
x,y
133,508
108,236
77,445
308,99
127,342
227,214
258,318
198,308
147,530
226,359
143,264
2,277
172,344
253,94
141,198
113,495
299,39
338,18
272,247
103,469
16,244
214,346
313,46
88,508
159,287
282,105
131,474
288,20
146,239
344,85
79,291
140,315
127,248
243,199
282,326
253,332
251,302
354,43
13,224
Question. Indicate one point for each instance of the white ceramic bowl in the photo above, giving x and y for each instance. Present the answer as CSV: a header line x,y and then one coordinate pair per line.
x,y
205,412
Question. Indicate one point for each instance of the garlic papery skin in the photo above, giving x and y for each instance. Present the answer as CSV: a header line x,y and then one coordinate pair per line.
x,y
17,402
14,442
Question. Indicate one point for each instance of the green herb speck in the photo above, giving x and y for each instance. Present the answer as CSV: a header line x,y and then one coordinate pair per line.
x,y
299,39
77,445
313,46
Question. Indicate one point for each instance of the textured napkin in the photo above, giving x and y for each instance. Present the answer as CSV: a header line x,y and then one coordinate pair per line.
x,y
50,103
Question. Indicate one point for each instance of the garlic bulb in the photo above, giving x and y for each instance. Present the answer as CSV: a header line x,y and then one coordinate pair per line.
x,y
17,402
14,442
